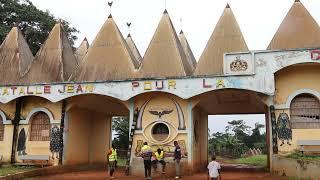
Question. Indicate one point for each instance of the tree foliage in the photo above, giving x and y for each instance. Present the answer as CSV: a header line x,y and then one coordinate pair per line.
x,y
120,125
237,139
34,23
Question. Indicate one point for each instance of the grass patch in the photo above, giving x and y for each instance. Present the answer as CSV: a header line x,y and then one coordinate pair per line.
x,y
14,169
301,156
260,160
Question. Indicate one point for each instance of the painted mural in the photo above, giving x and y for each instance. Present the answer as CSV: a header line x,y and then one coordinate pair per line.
x,y
284,129
55,143
21,149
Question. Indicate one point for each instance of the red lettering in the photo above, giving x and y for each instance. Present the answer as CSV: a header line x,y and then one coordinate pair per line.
x,y
135,84
315,55
79,89
205,85
47,89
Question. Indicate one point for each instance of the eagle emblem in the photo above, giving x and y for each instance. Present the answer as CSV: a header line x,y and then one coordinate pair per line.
x,y
160,113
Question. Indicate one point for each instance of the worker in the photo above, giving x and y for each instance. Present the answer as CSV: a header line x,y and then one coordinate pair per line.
x,y
146,154
112,160
160,159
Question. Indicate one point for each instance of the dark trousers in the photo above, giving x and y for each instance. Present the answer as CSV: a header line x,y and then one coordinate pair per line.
x,y
214,178
147,168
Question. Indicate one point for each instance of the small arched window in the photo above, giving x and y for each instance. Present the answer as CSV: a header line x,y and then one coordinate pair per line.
x,y
305,112
40,127
1,129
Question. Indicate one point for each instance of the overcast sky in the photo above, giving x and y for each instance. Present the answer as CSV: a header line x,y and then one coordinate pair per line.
x,y
258,19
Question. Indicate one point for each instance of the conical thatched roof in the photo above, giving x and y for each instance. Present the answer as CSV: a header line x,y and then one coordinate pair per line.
x,y
15,58
108,58
165,56
186,47
82,50
133,48
297,30
226,37
55,61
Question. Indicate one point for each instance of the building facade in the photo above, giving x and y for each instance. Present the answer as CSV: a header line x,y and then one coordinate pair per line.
x,y
61,102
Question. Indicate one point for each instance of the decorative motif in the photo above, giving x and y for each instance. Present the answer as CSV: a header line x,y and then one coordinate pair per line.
x,y
274,130
22,142
55,143
284,128
160,113
238,65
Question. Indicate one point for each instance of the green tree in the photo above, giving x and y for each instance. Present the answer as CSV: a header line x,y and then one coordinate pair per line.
x,y
120,125
239,128
34,23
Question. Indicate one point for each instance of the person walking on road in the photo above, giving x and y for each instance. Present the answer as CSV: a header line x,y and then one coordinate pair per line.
x,y
112,159
177,158
214,169
146,155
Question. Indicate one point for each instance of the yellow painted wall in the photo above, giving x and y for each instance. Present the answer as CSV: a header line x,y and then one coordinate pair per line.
x,y
288,81
293,78
8,109
88,137
30,103
6,144
159,102
200,148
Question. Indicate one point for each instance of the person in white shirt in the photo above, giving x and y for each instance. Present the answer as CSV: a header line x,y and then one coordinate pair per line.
x,y
214,169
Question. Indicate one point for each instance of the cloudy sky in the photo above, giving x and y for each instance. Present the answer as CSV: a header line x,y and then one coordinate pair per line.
x,y
258,19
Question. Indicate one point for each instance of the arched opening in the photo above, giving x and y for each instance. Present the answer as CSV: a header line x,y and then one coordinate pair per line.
x,y
1,129
40,127
305,112
231,124
160,131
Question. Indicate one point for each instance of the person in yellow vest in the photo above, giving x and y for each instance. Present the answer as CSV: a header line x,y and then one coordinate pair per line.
x,y
159,158
146,154
112,159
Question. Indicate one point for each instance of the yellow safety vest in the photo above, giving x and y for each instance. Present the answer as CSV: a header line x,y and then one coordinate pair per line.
x,y
159,156
113,155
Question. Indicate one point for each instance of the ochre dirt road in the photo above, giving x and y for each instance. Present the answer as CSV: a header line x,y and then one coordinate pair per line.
x,y
99,174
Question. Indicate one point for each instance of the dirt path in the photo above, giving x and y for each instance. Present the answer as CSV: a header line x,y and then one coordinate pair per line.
x,y
98,174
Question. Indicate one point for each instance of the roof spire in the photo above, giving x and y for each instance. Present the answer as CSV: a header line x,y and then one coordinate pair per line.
x,y
181,32
110,7
227,6
296,0
129,30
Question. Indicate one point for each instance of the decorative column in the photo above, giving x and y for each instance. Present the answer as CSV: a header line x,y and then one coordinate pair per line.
x,y
63,115
15,123
190,137
274,130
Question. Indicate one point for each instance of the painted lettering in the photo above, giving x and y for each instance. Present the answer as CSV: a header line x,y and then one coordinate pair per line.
x,y
220,83
159,85
13,90
70,89
5,91
147,85
29,90
22,91
135,84
315,55
47,89
63,89
172,84
79,89
38,90
89,88
206,85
